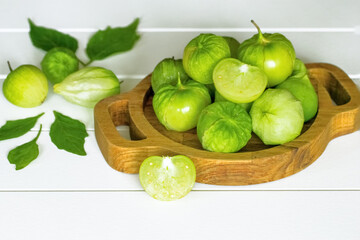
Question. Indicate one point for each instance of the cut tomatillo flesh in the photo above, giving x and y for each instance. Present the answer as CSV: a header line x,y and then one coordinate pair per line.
x,y
167,178
239,82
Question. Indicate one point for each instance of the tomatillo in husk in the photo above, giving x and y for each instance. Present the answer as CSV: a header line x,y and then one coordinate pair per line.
x,y
224,127
58,63
166,72
202,54
88,86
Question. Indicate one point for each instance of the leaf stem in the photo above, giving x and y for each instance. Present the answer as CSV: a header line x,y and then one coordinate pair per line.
x,y
37,136
87,64
81,62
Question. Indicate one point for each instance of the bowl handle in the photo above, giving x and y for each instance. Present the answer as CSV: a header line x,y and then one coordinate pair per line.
x,y
126,155
342,99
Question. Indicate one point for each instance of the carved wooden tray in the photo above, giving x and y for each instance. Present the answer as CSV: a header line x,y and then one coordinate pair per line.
x,y
338,114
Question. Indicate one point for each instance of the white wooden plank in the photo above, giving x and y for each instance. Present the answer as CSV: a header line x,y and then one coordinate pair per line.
x,y
186,13
200,215
54,102
336,169
341,49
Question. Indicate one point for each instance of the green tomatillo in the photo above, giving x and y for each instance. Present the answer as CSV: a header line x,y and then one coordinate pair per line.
x,y
277,117
300,86
166,72
26,86
233,44
178,107
88,86
224,127
202,54
58,63
272,52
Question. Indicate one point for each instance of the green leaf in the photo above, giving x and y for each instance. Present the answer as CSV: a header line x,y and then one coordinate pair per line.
x,y
68,134
17,128
24,154
112,40
47,38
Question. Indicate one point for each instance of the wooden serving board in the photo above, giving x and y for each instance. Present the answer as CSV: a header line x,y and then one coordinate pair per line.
x,y
338,114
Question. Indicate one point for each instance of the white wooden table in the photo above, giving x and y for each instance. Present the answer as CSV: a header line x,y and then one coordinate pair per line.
x,y
65,196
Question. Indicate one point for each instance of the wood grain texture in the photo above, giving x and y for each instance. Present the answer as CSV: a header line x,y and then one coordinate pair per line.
x,y
338,114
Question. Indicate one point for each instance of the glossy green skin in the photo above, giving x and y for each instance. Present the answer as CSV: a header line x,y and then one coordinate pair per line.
x,y
300,86
178,107
234,46
220,98
202,54
88,86
167,178
166,72
299,69
277,117
26,86
58,63
274,54
224,127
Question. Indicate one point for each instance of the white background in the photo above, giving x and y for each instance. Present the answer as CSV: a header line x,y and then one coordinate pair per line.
x,y
65,196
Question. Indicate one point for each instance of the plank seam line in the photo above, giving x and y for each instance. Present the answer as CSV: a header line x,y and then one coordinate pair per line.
x,y
195,190
204,29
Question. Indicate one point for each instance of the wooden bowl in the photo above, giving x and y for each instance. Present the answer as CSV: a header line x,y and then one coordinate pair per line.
x,y
338,114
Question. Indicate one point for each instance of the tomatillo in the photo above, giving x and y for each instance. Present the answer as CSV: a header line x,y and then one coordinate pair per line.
x,y
166,72
58,63
178,107
224,127
300,86
202,54
272,52
26,86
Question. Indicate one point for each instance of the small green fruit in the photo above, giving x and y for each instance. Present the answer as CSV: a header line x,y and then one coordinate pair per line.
x,y
233,44
224,127
178,107
166,72
202,54
299,70
277,117
88,86
273,53
300,86
58,63
26,86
